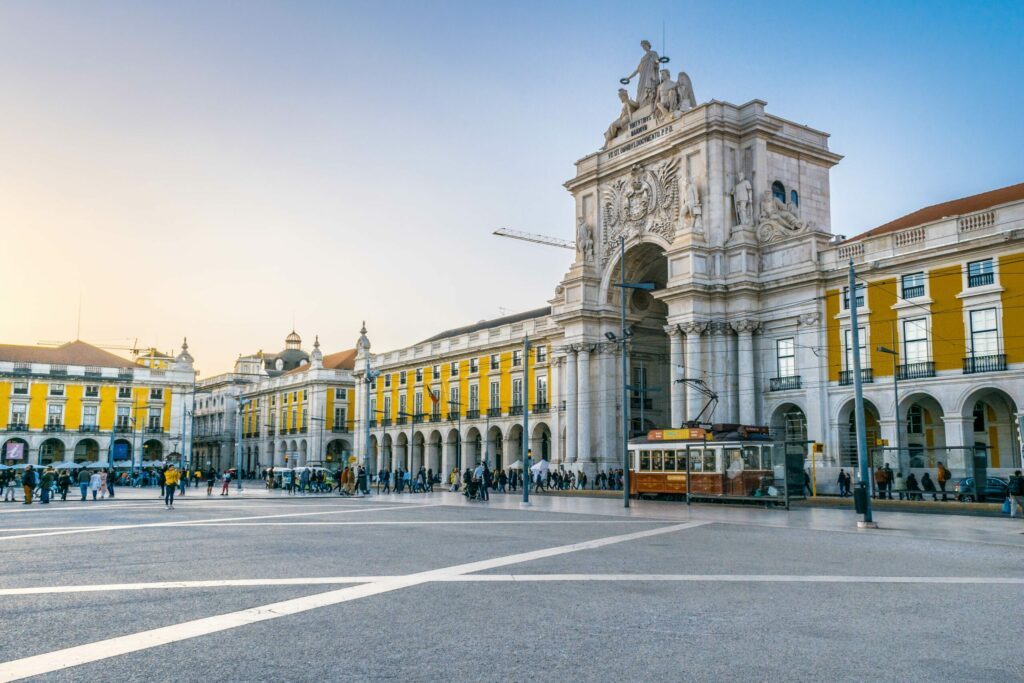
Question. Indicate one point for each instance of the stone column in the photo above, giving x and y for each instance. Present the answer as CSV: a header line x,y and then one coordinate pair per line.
x,y
675,359
745,369
956,438
555,399
584,406
607,445
694,366
571,416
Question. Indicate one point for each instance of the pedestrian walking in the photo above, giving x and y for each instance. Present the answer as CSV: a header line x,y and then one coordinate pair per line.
x,y
880,480
103,484
226,485
171,479
8,481
94,484
211,476
942,477
46,485
28,484
63,484
1017,494
83,482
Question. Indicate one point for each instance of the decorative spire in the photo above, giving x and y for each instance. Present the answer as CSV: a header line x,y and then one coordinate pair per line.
x,y
364,342
317,357
184,358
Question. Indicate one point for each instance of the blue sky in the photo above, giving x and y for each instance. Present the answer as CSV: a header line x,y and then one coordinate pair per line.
x,y
214,169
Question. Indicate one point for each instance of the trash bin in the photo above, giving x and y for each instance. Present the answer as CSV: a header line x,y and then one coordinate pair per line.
x,y
860,498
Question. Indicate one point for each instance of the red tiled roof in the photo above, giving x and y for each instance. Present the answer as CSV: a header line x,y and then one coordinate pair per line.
x,y
342,360
955,207
72,353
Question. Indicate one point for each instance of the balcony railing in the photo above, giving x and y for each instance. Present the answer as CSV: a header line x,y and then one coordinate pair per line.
x,y
125,373
270,431
473,414
867,376
88,428
122,429
435,417
93,372
541,407
993,363
303,429
453,415
22,368
494,412
913,291
386,422
154,429
373,424
19,427
339,429
785,383
980,279
418,418
515,410
59,370
401,420
916,370
53,427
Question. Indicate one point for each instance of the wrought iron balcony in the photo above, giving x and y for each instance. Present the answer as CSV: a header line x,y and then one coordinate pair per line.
x,y
784,383
270,431
454,415
913,291
122,428
59,370
541,407
515,410
19,427
339,429
494,412
980,279
401,420
916,370
88,428
867,376
125,373
473,414
93,372
435,417
54,427
418,418
151,429
386,422
373,424
991,363
303,429
22,368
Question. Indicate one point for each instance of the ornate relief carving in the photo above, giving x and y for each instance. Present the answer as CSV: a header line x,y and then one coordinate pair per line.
x,y
778,220
694,327
746,326
809,319
646,201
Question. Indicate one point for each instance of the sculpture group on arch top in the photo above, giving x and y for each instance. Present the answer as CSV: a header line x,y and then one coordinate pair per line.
x,y
657,198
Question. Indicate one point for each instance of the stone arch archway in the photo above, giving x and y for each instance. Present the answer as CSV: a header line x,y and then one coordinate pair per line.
x,y
303,453
418,452
14,444
514,444
473,449
434,448
337,452
401,446
87,450
540,441
922,431
496,447
789,426
152,451
123,453
454,452
989,427
846,424
387,452
51,450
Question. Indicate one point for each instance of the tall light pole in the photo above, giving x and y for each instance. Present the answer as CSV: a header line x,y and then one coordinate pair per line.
x,y
858,400
526,420
238,441
896,399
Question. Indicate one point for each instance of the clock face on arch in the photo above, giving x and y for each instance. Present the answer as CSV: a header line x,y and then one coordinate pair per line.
x,y
279,364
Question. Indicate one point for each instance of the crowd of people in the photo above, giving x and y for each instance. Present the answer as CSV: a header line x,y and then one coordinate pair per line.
x,y
888,481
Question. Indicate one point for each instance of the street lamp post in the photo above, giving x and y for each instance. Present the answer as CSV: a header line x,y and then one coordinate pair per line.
x,y
858,400
896,399
238,441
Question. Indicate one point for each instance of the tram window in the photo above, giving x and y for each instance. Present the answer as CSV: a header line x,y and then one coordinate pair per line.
x,y
752,458
734,461
656,461
696,460
645,461
709,461
632,460
670,461
681,461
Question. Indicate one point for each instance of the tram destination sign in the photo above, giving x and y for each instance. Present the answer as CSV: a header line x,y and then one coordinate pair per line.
x,y
692,434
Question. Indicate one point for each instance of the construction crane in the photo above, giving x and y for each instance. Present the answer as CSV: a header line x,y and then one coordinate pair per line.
x,y
536,239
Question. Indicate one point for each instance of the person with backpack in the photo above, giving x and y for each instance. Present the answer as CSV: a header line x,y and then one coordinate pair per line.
x,y
28,484
226,487
942,478
1017,495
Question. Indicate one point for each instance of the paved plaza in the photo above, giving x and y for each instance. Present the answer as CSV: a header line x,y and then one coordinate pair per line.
x,y
434,587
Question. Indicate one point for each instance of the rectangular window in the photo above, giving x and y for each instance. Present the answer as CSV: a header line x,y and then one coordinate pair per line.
x,y
55,415
915,341
339,418
454,368
92,391
373,409
56,390
474,397
124,392
495,361
859,296
436,372
495,401
89,416
401,378
124,417
419,374
156,394
417,403
387,380
912,285
474,365
517,358
154,418
980,273
517,392
305,394
21,388
401,405
785,354
387,407
915,420
19,413
341,394
984,333
542,390
542,354
453,400
848,348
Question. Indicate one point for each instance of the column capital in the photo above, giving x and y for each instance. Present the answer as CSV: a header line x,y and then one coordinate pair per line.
x,y
694,327
672,330
746,326
719,328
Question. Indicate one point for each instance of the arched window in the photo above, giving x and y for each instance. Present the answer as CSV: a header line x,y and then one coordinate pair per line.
x,y
794,198
779,191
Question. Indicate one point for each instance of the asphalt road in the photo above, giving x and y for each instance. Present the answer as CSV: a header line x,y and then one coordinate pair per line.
x,y
430,587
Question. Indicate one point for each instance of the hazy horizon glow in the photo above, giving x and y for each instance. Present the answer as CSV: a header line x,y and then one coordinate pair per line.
x,y
218,170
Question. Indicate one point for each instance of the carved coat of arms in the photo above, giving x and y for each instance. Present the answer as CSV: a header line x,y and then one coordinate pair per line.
x,y
645,201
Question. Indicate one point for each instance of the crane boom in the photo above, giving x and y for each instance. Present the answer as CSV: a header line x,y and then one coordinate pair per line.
x,y
536,239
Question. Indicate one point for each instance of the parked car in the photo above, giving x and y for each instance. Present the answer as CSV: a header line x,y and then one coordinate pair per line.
x,y
995,492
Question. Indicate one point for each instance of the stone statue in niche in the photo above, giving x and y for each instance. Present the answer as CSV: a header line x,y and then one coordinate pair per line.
x,y
621,124
692,212
584,240
741,196
668,95
684,92
647,75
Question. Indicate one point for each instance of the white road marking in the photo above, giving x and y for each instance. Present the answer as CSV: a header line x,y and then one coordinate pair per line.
x,y
211,583
193,522
439,522
741,578
104,649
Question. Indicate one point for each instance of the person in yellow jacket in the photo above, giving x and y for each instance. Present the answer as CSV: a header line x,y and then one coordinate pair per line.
x,y
171,478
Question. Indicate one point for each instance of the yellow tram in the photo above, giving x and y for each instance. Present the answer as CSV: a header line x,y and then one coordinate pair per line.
x,y
724,461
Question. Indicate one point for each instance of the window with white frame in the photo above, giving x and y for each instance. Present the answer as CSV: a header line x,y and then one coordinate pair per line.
x,y
341,394
435,371
402,405
915,341
154,418
123,418
156,394
387,380
387,407
373,409
495,400
454,399
517,358
542,391
517,392
474,397
54,415
915,420
542,354
454,368
495,361
340,418
56,390
980,273
474,365
89,415
417,403
984,333
92,391
124,392
419,374
859,296
848,348
785,357
401,378
20,388
19,414
912,285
